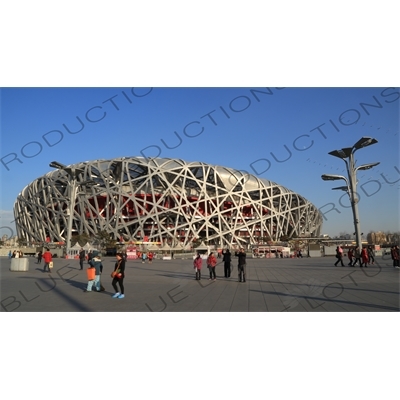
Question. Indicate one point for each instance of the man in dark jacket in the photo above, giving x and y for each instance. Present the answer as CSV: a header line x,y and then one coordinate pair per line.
x,y
227,263
82,257
241,264
395,256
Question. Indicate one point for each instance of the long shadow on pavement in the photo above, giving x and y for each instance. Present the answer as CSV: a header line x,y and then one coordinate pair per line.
x,y
356,303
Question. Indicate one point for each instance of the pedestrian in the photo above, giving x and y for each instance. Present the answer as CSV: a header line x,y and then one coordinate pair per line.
x,y
391,253
395,256
47,260
350,255
227,258
371,259
197,264
357,257
9,254
211,263
144,256
14,254
82,257
39,257
89,256
300,254
364,257
241,264
339,256
95,263
150,257
118,276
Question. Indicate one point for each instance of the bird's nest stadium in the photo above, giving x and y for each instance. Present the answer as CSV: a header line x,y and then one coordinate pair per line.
x,y
169,201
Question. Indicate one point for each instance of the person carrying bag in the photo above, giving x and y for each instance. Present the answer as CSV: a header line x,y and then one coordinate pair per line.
x,y
118,276
96,264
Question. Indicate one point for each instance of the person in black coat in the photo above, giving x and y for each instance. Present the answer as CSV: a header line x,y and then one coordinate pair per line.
x,y
339,256
371,258
118,276
227,263
82,257
241,264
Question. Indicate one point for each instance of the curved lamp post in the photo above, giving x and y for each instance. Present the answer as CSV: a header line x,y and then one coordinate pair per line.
x,y
347,155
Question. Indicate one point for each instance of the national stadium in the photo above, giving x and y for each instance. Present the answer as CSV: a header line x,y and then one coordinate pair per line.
x,y
166,201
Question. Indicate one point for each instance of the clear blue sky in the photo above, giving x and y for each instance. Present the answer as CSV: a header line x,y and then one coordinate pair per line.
x,y
251,129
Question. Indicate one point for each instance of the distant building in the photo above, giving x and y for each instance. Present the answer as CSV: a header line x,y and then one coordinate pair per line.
x,y
383,238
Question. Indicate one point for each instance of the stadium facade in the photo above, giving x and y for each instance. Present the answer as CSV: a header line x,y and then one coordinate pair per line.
x,y
163,200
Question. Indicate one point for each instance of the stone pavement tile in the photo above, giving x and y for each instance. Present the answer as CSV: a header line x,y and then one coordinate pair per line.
x,y
224,303
193,294
240,301
379,294
272,300
257,300
366,292
364,302
210,296
348,301
276,295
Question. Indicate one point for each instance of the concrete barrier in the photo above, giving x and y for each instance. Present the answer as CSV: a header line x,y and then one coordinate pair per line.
x,y
19,264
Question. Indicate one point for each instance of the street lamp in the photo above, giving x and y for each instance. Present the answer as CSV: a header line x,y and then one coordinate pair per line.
x,y
344,188
347,155
327,177
72,183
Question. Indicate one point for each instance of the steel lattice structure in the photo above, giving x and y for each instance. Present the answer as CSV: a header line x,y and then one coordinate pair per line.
x,y
168,200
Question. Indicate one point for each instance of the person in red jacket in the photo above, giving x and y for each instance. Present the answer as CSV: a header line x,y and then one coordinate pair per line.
x,y
197,264
350,255
211,263
364,257
47,259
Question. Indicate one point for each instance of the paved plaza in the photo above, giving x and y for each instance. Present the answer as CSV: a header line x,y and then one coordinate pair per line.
x,y
277,285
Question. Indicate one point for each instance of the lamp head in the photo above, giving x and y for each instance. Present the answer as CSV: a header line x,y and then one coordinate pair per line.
x,y
367,166
342,153
344,188
364,142
328,177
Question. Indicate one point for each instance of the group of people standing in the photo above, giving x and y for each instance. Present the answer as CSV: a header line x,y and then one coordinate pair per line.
x,y
227,259
15,254
147,256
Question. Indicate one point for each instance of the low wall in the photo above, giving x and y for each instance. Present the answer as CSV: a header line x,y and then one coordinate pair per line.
x,y
19,264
